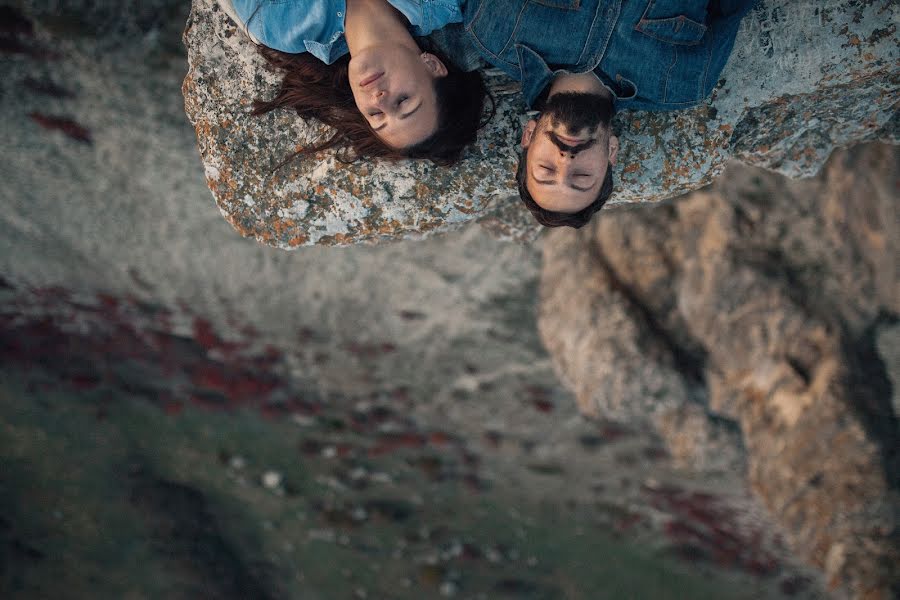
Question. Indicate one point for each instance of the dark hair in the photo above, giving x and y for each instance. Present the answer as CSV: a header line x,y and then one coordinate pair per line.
x,y
548,218
321,91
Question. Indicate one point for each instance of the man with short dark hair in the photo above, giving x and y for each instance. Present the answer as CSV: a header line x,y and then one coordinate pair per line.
x,y
579,61
565,169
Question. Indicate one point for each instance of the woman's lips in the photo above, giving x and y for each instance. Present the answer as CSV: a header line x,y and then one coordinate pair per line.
x,y
371,79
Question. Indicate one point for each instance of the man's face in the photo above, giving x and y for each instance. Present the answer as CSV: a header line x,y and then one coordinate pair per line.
x,y
569,148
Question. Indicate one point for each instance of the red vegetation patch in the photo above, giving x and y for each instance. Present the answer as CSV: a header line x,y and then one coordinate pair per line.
x,y
206,336
703,527
67,126
369,350
127,345
627,521
84,382
439,438
391,442
171,406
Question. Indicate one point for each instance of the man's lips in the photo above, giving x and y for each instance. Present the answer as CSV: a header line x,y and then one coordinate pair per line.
x,y
371,79
570,140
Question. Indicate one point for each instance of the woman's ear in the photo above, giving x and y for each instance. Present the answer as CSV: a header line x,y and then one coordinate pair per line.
x,y
434,65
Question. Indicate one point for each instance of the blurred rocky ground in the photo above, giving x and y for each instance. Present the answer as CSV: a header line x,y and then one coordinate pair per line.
x,y
743,323
188,414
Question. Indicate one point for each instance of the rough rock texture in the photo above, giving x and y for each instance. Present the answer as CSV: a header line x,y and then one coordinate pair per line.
x,y
804,78
757,303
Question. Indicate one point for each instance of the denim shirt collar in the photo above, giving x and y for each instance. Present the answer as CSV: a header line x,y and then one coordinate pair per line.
x,y
537,75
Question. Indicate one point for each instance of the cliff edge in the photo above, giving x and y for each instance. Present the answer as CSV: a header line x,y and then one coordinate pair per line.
x,y
804,78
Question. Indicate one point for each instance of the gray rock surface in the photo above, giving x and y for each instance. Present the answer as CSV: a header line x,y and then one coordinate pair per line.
x,y
804,78
753,304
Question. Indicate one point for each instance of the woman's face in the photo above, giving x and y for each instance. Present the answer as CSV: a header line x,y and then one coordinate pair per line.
x,y
393,86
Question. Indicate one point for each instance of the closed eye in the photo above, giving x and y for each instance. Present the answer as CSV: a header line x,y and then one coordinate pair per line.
x,y
409,112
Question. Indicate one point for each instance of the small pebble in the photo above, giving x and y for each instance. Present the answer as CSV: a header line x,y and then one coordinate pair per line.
x,y
380,477
302,420
237,462
271,479
448,589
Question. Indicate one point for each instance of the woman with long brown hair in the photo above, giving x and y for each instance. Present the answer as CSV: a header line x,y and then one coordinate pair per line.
x,y
355,66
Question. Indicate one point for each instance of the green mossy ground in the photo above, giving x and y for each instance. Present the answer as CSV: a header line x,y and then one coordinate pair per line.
x,y
105,496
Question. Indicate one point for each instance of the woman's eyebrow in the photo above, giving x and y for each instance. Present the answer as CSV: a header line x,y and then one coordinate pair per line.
x,y
400,118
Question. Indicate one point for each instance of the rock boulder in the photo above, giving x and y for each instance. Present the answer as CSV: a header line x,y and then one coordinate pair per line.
x,y
804,78
745,323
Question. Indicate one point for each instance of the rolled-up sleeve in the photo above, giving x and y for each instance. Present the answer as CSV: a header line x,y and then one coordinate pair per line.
x,y
294,26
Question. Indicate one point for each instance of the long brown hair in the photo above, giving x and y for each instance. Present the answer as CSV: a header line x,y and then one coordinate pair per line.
x,y
321,91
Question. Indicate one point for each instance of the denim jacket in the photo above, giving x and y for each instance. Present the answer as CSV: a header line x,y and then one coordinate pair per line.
x,y
317,26
651,54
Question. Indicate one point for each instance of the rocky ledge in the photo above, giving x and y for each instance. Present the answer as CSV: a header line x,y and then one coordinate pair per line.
x,y
805,77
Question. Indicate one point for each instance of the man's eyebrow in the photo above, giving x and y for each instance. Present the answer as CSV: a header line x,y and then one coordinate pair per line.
x,y
573,186
400,118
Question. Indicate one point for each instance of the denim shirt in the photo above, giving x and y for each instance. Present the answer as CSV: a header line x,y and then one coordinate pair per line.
x,y
651,54
317,26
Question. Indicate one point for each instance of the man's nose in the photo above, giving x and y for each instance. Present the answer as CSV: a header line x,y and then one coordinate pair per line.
x,y
563,164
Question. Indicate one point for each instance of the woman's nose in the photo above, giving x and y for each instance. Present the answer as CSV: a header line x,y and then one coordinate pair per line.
x,y
379,97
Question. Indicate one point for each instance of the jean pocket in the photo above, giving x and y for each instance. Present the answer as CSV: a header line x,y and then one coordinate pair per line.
x,y
666,24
